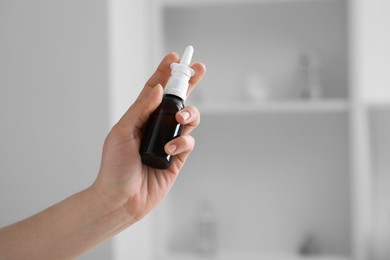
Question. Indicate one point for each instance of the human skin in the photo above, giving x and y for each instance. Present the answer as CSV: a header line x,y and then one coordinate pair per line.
x,y
124,191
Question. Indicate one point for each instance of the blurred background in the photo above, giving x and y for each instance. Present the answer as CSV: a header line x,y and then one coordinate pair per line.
x,y
292,155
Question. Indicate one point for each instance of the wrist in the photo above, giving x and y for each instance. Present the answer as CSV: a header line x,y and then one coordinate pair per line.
x,y
108,213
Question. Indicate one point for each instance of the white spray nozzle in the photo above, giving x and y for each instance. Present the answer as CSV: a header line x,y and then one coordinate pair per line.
x,y
181,74
187,56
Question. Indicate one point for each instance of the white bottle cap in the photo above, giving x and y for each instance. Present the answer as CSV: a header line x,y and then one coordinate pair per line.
x,y
180,75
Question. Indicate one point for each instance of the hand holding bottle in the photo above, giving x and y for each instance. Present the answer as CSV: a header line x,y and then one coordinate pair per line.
x,y
122,175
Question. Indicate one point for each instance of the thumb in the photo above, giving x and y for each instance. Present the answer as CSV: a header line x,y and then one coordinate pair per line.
x,y
148,100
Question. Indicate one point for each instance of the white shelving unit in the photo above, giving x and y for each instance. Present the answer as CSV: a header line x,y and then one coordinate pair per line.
x,y
276,107
279,168
269,157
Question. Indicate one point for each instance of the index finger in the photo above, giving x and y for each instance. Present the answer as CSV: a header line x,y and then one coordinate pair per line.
x,y
163,71
200,70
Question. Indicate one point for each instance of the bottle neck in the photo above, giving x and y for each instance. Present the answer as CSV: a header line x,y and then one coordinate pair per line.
x,y
168,95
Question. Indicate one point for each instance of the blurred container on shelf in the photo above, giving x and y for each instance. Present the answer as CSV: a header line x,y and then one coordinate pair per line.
x,y
207,229
310,76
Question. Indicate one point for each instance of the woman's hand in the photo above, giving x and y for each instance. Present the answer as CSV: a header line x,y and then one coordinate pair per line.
x,y
123,180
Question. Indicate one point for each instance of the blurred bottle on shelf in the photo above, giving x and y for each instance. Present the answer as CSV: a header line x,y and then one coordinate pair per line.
x,y
309,246
206,229
310,78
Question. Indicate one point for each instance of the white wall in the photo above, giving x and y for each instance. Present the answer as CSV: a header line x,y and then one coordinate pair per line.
x,y
53,103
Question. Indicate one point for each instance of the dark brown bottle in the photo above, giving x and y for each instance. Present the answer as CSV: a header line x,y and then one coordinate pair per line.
x,y
161,128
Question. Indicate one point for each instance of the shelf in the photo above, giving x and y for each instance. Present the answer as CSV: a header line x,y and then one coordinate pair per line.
x,y
276,107
379,105
250,256
272,48
177,3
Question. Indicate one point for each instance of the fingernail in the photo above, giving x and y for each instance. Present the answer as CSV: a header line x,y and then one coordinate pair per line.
x,y
186,115
172,148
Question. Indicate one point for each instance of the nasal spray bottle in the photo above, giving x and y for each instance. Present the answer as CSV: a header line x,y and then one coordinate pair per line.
x,y
162,126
